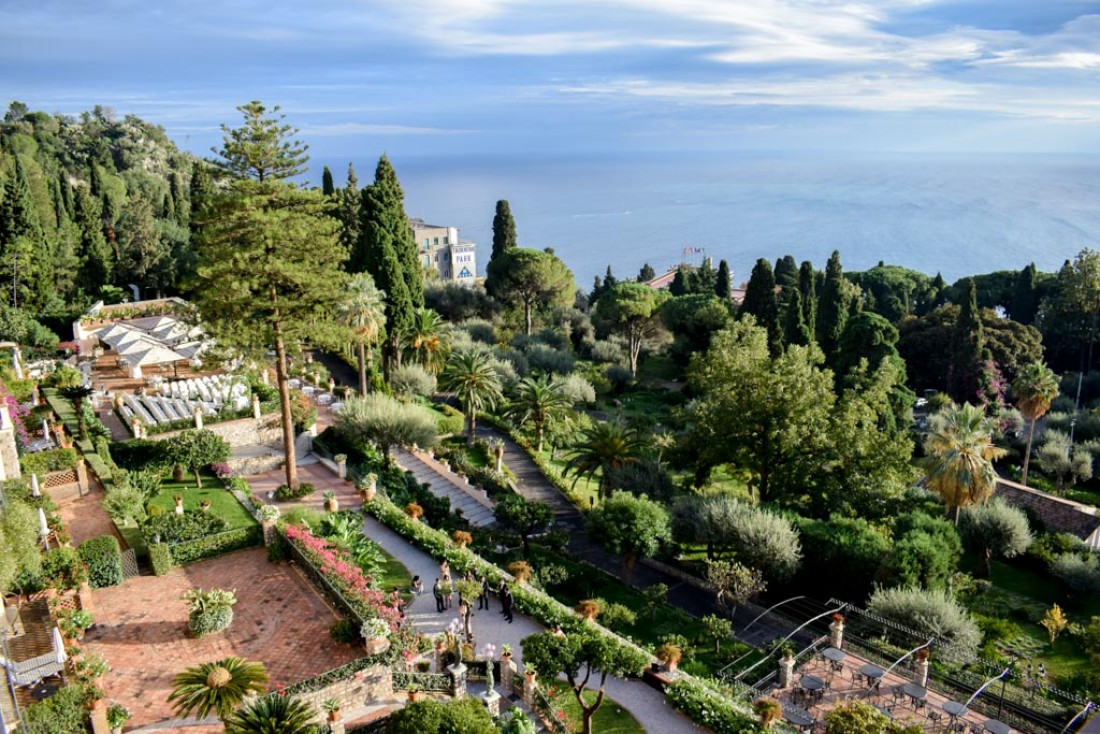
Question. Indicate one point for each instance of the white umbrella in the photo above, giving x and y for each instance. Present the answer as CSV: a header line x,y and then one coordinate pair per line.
x,y
34,486
44,527
59,646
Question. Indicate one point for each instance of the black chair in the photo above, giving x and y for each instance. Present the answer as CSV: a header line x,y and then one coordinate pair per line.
x,y
934,717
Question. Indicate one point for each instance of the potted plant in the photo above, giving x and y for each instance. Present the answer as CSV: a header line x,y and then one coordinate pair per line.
x,y
521,570
375,634
331,503
414,692
588,609
768,709
332,707
371,488
505,652
179,503
423,666
414,510
670,655
117,716
462,538
787,651
74,623
204,505
268,514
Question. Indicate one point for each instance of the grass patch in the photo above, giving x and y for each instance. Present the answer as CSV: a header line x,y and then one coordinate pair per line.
x,y
393,575
610,717
222,502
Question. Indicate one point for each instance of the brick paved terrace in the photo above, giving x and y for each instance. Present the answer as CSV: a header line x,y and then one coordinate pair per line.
x,y
141,629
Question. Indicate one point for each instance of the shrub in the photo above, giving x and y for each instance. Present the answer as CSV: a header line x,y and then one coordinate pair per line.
x,y
1048,546
215,545
62,568
283,493
124,504
930,612
160,558
644,476
544,358
44,462
608,352
1077,573
578,389
140,453
479,330
62,713
412,380
715,709
211,611
104,560
619,377
173,528
344,632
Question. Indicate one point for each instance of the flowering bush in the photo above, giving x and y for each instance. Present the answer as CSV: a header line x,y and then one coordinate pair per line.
x,y
340,571
221,470
709,707
373,629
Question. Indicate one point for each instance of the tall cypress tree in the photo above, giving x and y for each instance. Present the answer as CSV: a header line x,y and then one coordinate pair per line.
x,y
181,210
795,328
967,349
807,289
647,273
760,302
504,229
349,213
202,188
786,272
327,187
832,306
1025,296
723,283
679,285
96,263
18,216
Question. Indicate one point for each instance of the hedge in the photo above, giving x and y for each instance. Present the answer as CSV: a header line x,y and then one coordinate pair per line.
x,y
161,558
712,708
44,462
214,545
103,558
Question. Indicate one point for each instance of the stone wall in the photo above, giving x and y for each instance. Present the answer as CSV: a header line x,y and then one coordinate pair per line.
x,y
241,432
366,688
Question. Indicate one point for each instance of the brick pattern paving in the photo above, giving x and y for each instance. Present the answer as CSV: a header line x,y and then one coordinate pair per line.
x,y
84,517
141,629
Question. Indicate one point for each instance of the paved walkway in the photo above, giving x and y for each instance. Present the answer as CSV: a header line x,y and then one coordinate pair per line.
x,y
475,507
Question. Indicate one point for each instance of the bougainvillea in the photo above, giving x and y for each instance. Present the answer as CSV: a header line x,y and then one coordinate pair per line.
x,y
336,566
17,412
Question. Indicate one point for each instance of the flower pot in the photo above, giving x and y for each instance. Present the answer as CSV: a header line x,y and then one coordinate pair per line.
x,y
332,505
369,493
415,695
376,645
116,730
334,715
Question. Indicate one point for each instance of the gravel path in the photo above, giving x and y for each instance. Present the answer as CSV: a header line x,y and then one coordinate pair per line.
x,y
647,705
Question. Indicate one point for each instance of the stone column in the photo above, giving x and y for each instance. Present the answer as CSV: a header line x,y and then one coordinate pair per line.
x,y
458,679
836,633
256,406
786,672
9,455
336,727
331,384
198,418
507,673
439,653
491,699
99,718
84,597
530,685
269,531
922,671
342,466
82,475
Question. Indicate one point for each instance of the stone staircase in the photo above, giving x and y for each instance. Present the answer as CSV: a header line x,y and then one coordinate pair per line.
x,y
475,506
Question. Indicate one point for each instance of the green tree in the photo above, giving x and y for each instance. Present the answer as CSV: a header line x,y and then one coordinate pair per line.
x,y
461,716
362,309
427,339
142,251
807,287
1035,389
217,688
1024,305
196,449
270,265
474,379
959,450
718,629
646,274
327,186
347,211
967,349
795,329
995,529
602,447
581,656
20,554
96,263
723,284
523,517
539,401
734,584
632,527
926,552
679,285
833,306
631,310
18,215
504,230
1065,461
693,320
761,304
866,336
529,279
385,422
273,714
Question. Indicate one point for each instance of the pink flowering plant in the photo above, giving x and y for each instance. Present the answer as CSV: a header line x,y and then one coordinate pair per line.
x,y
340,571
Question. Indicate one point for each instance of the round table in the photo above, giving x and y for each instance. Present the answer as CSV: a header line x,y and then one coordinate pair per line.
x,y
800,717
915,692
832,653
872,673
954,709
812,683
996,727
884,711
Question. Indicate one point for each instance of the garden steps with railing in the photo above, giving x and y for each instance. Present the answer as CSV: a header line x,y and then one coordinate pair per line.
x,y
478,510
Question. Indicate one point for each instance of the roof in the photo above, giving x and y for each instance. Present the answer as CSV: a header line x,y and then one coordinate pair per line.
x,y
1058,514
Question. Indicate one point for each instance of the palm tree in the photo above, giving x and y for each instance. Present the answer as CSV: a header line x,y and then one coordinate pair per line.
x,y
604,447
473,378
959,457
273,715
364,311
539,400
216,687
1035,388
425,339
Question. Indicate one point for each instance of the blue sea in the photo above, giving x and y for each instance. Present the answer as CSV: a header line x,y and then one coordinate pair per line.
x,y
949,214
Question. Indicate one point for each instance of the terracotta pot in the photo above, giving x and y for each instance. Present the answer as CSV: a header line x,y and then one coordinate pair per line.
x,y
332,505
415,695
334,715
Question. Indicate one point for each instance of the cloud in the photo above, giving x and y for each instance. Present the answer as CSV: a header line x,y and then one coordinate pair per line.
x,y
360,128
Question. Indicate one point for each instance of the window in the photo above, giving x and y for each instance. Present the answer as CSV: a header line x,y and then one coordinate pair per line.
x,y
436,240
445,239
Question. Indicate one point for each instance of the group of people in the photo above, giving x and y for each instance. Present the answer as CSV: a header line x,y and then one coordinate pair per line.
x,y
444,588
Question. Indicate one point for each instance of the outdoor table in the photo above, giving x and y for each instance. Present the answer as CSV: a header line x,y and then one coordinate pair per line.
x,y
872,673
916,693
996,727
954,709
884,711
812,683
800,717
831,653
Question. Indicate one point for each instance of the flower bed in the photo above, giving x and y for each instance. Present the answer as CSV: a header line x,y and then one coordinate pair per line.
x,y
708,706
350,585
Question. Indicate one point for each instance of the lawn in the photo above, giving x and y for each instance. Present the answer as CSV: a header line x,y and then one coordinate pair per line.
x,y
222,501
610,718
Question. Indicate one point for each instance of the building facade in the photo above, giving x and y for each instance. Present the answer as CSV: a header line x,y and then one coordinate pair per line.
x,y
441,249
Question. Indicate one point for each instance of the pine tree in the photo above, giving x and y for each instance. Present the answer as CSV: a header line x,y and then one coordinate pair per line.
x,y
18,216
646,274
349,212
181,211
96,263
760,302
609,279
705,279
263,147
786,272
723,284
679,285
327,187
832,307
596,292
807,289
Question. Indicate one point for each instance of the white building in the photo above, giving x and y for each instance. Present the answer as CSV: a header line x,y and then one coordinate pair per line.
x,y
441,249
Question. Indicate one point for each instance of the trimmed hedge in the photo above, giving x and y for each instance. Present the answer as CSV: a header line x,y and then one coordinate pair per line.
x,y
173,528
44,462
103,557
214,545
161,558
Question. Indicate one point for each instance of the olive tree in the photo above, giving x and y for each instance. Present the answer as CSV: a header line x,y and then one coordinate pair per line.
x,y
386,422
633,527
995,529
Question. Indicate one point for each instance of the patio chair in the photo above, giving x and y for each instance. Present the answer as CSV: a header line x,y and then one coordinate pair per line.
x,y
934,717
897,694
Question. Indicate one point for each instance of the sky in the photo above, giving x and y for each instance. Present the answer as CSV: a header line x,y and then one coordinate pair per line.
x,y
577,77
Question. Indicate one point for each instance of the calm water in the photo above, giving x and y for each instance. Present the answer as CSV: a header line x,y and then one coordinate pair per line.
x,y
954,216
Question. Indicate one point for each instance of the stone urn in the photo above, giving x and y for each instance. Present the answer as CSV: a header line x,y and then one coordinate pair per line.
x,y
376,645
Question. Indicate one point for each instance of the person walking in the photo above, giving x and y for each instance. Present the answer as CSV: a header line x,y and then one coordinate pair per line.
x,y
483,598
437,592
501,591
506,602
448,591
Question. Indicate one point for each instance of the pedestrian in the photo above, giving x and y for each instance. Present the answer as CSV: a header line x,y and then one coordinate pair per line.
x,y
417,586
448,591
501,591
506,602
483,598
437,592
445,569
